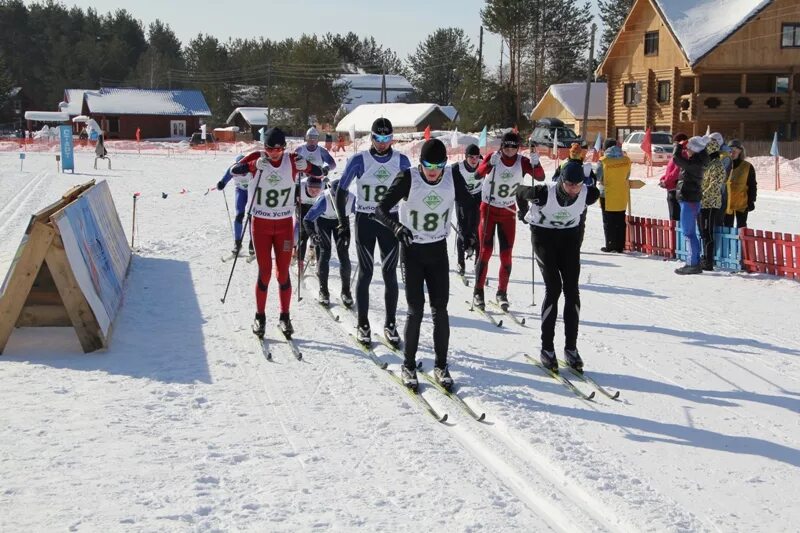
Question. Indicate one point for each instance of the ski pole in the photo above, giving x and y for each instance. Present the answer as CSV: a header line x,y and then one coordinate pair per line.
x,y
244,230
230,223
533,270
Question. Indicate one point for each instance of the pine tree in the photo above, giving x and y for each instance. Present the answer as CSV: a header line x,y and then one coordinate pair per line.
x,y
613,13
440,64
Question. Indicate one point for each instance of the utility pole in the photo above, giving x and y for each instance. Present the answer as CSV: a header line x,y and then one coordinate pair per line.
x,y
480,60
584,129
519,68
269,92
152,67
502,42
169,78
384,96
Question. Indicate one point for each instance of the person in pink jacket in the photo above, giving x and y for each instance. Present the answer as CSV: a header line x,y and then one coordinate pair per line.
x,y
669,181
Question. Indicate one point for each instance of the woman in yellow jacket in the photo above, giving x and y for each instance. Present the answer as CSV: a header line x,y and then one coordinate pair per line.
x,y
612,180
742,188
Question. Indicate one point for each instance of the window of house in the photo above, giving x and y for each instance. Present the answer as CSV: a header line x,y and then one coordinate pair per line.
x,y
782,84
790,35
651,43
664,91
630,94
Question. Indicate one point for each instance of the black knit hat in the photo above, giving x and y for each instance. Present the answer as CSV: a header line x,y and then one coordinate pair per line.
x,y
510,138
472,149
274,137
433,151
736,143
572,173
382,126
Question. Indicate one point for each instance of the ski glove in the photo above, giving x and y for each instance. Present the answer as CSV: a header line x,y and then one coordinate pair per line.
x,y
300,163
325,170
262,163
344,233
404,235
534,159
220,185
495,159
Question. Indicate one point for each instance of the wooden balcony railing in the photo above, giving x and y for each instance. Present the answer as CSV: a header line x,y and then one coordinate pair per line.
x,y
740,107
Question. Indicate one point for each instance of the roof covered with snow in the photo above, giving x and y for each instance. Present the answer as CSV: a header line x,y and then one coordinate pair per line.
x,y
366,89
450,111
255,116
573,97
47,116
701,25
401,115
147,102
74,100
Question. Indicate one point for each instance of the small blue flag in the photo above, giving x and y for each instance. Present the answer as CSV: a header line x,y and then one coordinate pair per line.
x,y
598,143
482,138
263,134
774,150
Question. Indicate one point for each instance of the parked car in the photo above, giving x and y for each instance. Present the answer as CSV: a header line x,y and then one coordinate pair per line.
x,y
543,134
660,141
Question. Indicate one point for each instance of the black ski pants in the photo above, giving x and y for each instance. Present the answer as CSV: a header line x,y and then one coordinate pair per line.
x,y
302,241
613,228
328,234
739,216
708,220
427,265
674,206
558,254
368,232
467,218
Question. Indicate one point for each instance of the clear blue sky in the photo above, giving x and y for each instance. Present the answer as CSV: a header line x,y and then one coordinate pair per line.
x,y
399,25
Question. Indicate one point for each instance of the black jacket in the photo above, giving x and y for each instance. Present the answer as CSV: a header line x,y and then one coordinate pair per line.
x,y
690,182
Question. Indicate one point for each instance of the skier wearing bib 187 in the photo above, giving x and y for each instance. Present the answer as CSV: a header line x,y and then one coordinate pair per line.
x,y
428,193
271,197
502,173
556,216
320,224
468,215
373,171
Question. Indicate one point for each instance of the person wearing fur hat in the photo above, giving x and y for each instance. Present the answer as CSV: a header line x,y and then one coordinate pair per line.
x,y
555,216
467,215
314,153
373,171
272,194
742,188
692,161
613,174
426,194
669,181
711,201
502,173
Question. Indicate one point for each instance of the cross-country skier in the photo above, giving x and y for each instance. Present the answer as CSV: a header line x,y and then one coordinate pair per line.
x,y
314,153
426,194
467,215
321,225
271,197
373,171
308,192
502,174
556,215
240,201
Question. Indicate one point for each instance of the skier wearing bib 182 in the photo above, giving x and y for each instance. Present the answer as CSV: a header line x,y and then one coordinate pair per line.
x,y
320,224
556,215
373,171
271,197
241,200
428,193
467,215
502,173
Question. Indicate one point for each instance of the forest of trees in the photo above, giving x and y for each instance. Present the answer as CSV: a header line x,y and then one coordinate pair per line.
x,y
48,47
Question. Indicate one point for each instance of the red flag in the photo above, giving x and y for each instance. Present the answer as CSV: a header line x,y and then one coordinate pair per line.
x,y
647,146
427,134
138,134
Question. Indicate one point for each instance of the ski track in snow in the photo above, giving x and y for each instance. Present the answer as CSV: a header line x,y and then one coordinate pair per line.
x,y
182,423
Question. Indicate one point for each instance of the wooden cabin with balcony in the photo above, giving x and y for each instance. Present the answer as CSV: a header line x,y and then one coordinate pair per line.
x,y
687,65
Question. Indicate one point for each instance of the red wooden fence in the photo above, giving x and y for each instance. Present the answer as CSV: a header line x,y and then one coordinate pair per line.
x,y
651,236
771,253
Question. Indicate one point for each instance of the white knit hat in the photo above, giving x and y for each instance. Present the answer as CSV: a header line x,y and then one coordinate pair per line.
x,y
697,144
717,136
312,133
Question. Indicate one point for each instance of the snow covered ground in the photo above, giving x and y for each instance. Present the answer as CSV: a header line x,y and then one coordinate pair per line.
x,y
182,425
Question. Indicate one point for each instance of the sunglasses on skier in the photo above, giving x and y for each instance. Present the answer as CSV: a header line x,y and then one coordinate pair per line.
x,y
510,145
274,149
382,138
433,166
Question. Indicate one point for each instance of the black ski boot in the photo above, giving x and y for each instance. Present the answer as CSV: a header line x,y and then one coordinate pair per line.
x,y
285,325
548,360
442,377
461,269
409,377
237,247
364,335
391,334
324,298
250,248
477,299
502,300
259,325
574,359
347,299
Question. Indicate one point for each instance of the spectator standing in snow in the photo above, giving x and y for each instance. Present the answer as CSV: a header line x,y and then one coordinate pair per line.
x,y
692,162
669,180
742,188
711,201
613,174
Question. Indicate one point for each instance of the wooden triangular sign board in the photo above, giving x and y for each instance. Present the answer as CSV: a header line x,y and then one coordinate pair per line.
x,y
51,283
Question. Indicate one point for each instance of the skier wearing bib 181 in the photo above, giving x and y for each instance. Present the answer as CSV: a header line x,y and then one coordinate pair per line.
x,y
556,215
428,193
271,197
373,171
502,174
468,215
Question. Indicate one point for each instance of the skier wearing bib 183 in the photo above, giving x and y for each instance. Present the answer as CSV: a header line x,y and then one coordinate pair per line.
x,y
428,193
271,197
373,171
320,224
556,215
240,202
468,215
502,174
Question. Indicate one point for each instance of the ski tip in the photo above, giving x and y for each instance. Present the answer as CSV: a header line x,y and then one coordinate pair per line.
x,y
482,417
591,395
443,419
384,366
299,357
500,324
522,322
615,396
